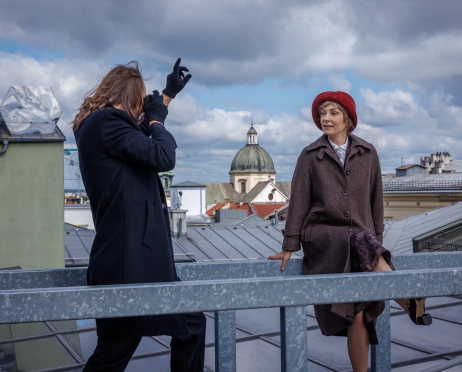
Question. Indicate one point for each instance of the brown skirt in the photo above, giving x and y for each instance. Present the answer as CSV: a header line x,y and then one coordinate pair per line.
x,y
365,252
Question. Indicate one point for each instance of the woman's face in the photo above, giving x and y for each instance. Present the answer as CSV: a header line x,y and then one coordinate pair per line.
x,y
333,122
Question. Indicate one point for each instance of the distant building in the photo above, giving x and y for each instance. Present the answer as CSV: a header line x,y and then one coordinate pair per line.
x,y
265,192
441,162
189,196
166,178
251,165
410,170
409,195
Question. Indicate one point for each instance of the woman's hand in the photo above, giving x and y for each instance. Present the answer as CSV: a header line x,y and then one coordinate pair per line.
x,y
176,80
154,108
284,256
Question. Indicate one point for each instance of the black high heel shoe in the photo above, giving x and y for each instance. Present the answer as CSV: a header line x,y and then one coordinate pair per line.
x,y
417,314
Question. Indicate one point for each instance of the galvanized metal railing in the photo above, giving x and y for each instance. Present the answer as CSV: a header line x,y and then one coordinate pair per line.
x,y
61,294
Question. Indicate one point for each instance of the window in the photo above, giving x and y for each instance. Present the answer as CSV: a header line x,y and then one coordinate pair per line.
x,y
165,183
242,187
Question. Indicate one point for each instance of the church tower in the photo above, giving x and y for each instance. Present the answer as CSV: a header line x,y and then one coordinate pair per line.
x,y
252,164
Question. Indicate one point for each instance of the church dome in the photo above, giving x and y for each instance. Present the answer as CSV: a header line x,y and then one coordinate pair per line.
x,y
252,157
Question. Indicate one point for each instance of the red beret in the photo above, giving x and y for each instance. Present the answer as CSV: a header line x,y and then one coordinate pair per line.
x,y
342,98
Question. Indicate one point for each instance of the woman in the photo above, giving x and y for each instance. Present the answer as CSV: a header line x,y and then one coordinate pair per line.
x,y
119,161
336,213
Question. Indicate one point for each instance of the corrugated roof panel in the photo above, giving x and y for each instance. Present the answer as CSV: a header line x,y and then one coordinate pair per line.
x,y
195,234
238,243
187,246
75,246
265,237
219,243
263,249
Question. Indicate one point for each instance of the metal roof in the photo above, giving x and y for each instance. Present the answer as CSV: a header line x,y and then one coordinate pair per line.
x,y
454,165
187,184
398,234
218,192
247,239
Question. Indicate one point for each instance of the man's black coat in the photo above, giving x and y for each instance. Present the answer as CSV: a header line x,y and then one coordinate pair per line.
x,y
119,166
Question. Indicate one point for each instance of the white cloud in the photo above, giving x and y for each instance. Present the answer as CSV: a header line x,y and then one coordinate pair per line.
x,y
339,82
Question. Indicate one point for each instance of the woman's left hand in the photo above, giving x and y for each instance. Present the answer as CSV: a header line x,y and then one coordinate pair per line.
x,y
284,256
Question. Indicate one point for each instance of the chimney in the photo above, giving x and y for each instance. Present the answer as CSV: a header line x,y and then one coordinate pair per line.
x,y
178,223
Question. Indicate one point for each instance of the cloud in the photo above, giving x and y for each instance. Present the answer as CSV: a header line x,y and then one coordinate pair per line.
x,y
239,42
339,82
400,126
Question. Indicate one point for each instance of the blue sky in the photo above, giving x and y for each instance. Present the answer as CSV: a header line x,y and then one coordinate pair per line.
x,y
255,61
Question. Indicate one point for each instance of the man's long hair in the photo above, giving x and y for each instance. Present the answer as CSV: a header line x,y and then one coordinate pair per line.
x,y
123,85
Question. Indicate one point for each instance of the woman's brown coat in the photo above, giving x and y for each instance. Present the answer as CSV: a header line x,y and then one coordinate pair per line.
x,y
327,199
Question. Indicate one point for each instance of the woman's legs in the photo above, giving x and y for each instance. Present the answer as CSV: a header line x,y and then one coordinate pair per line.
x,y
383,266
358,344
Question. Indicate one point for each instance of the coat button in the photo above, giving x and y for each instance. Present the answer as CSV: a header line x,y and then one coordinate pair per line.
x,y
348,171
346,214
345,192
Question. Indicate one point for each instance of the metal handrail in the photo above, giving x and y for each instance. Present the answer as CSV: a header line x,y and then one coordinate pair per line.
x,y
43,295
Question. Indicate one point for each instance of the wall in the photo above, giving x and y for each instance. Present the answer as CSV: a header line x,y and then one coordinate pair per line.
x,y
401,205
192,200
32,205
263,196
251,178
78,214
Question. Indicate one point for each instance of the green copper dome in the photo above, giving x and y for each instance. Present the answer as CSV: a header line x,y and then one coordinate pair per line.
x,y
252,158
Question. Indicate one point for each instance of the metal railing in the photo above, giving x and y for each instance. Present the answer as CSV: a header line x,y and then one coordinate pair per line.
x,y
61,294
422,185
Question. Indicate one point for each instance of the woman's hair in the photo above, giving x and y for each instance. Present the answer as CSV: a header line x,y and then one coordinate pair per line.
x,y
123,85
323,105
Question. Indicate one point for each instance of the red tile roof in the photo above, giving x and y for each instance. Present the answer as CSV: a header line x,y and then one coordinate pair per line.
x,y
245,206
211,211
264,209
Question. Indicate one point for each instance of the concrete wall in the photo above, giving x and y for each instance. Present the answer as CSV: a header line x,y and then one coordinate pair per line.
x,y
32,205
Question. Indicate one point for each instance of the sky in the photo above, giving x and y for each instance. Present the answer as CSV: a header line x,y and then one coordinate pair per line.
x,y
261,61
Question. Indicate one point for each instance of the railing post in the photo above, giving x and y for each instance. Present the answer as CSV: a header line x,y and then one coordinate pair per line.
x,y
381,353
294,352
225,341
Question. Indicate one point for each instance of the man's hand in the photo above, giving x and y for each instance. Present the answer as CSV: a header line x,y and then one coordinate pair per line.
x,y
154,108
284,256
176,80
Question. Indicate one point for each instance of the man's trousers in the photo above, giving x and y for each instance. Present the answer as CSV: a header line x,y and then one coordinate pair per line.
x,y
112,354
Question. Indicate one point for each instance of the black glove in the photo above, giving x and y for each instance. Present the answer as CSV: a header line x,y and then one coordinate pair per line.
x,y
176,80
154,107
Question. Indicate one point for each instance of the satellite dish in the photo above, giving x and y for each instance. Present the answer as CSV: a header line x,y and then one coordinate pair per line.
x,y
432,165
